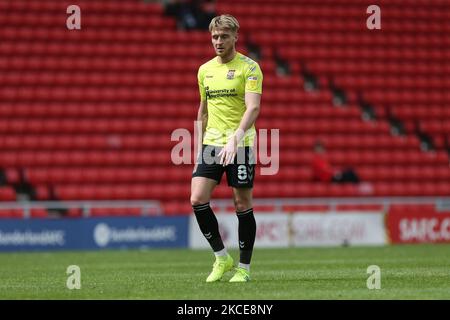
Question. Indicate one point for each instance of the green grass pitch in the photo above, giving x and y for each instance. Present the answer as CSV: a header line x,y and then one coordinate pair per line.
x,y
407,272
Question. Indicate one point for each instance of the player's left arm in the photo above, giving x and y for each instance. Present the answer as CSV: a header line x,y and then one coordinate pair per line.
x,y
252,103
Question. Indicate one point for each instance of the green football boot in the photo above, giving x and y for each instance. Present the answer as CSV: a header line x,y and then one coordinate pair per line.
x,y
222,265
241,275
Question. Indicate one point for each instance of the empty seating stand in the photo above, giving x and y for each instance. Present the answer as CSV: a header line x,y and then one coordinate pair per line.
x,y
88,114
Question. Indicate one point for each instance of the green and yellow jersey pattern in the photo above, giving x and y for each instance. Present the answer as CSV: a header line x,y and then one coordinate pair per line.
x,y
223,87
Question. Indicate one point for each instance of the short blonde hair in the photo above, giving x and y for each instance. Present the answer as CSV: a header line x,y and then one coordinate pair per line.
x,y
224,21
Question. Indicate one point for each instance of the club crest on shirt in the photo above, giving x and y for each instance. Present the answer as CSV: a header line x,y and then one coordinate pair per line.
x,y
252,83
230,74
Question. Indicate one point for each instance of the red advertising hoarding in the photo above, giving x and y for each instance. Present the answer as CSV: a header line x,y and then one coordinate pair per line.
x,y
427,227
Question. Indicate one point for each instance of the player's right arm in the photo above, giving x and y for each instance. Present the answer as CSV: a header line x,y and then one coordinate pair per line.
x,y
202,114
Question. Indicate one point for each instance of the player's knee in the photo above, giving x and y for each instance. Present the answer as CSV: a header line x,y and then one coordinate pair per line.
x,y
195,200
242,205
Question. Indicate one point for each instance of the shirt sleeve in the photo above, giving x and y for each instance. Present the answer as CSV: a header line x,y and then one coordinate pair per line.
x,y
254,79
201,88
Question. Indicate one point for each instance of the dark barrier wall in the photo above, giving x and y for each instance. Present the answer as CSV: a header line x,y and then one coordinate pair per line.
x,y
93,233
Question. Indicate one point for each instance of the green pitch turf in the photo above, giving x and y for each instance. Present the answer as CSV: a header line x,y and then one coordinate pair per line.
x,y
407,272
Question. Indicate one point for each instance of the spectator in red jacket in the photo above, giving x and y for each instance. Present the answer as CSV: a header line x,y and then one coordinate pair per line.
x,y
324,172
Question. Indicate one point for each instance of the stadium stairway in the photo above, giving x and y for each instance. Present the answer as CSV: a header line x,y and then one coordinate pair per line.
x,y
88,114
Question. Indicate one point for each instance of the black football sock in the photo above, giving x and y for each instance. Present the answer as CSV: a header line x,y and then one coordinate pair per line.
x,y
207,222
247,234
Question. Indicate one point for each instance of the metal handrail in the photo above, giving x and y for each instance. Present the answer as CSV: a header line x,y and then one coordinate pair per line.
x,y
148,207
153,207
386,202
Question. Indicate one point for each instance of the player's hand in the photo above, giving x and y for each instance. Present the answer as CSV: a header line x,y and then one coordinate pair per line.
x,y
228,152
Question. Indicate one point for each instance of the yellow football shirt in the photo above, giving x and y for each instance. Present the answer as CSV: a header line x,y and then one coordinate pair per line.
x,y
223,87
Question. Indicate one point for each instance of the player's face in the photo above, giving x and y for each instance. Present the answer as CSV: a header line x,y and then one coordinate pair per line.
x,y
223,42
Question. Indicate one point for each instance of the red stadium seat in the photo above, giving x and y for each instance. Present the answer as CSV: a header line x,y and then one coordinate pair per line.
x,y
11,213
7,194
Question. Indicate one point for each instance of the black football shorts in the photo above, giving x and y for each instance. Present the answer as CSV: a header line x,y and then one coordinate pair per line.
x,y
240,173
